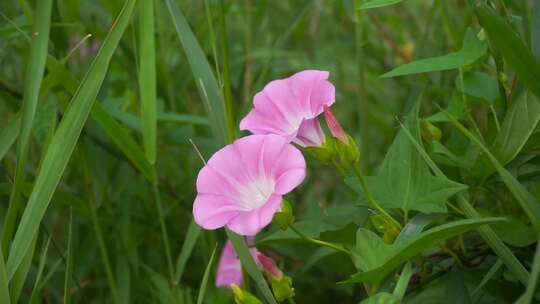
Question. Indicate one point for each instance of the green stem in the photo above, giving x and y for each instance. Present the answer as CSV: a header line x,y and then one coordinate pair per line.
x,y
318,242
387,217
164,233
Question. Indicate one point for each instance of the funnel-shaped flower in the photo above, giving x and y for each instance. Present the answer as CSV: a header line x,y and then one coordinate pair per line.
x,y
229,269
242,185
289,107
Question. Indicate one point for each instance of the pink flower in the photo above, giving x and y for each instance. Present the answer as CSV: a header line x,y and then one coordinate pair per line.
x,y
269,266
242,185
289,107
229,269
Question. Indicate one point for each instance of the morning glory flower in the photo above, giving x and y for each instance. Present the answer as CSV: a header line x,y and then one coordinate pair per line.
x,y
289,107
242,185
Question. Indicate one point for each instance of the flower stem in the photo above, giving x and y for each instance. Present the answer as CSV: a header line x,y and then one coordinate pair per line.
x,y
318,242
387,217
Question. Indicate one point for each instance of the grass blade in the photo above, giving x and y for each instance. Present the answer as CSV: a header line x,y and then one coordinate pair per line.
x,y
64,141
33,76
533,280
67,273
147,78
189,242
202,72
36,290
248,263
379,3
515,52
4,283
204,282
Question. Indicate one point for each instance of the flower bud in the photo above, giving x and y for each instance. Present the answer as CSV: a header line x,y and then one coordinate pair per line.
x,y
345,147
348,154
389,232
243,297
284,217
323,153
334,126
283,288
269,266
429,131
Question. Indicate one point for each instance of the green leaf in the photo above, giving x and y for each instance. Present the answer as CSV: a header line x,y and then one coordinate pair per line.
x,y
206,276
379,3
514,51
204,77
377,259
491,238
190,239
330,219
382,298
69,258
519,124
516,233
404,180
249,265
480,86
403,281
36,290
147,78
416,225
63,143
528,202
471,50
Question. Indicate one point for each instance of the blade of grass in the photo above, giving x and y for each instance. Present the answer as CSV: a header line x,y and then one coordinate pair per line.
x,y
36,290
206,276
33,76
147,78
17,282
202,72
249,265
67,272
533,280
187,248
163,227
4,283
8,136
63,143
491,238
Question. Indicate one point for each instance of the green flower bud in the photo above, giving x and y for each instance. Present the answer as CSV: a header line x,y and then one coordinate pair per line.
x,y
285,217
429,131
324,153
348,153
243,297
283,288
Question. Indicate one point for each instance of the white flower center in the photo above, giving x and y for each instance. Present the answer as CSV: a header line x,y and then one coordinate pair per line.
x,y
256,193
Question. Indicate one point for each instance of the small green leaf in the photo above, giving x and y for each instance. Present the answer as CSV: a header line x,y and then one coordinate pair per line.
x,y
471,50
377,259
515,52
8,135
382,298
190,239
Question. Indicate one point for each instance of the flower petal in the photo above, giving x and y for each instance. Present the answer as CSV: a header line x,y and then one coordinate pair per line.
x,y
212,211
310,134
251,222
229,269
